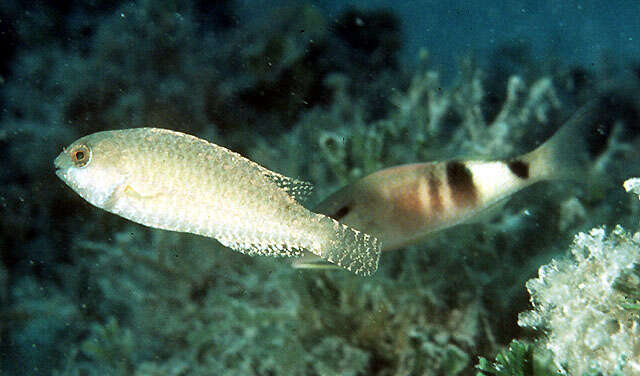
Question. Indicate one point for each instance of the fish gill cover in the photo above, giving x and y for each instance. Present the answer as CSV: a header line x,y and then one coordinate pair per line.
x,y
320,95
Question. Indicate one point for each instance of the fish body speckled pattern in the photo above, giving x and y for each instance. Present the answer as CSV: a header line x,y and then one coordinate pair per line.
x,y
401,205
173,181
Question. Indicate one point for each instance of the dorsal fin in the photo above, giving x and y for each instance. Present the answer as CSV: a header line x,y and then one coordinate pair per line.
x,y
298,189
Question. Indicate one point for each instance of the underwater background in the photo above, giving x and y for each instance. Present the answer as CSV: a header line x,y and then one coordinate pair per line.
x,y
325,92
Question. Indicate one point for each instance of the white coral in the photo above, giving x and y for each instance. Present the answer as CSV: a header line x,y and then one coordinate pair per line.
x,y
632,185
577,305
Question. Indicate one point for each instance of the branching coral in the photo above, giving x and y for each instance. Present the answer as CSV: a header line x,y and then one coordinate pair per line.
x,y
423,125
44,320
147,302
185,73
420,127
519,359
184,305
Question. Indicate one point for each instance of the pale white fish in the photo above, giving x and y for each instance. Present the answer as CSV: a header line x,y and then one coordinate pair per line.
x,y
173,181
401,205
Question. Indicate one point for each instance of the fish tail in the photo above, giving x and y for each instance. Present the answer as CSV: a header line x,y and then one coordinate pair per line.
x,y
565,155
349,248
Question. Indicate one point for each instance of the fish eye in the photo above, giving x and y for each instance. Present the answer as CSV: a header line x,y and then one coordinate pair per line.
x,y
80,155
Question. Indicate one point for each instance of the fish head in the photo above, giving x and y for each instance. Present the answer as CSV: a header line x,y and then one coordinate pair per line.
x,y
90,166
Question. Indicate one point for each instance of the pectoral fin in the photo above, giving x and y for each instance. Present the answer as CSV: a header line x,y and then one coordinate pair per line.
x,y
132,193
126,191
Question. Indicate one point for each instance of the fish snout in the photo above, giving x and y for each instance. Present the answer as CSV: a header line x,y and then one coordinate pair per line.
x,y
58,161
61,164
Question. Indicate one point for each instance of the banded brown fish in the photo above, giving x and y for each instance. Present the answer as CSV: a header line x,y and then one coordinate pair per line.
x,y
401,205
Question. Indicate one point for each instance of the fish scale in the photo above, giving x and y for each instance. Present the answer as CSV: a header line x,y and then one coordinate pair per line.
x,y
173,181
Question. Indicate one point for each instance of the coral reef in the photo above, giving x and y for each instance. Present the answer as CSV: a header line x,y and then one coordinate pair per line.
x,y
588,307
40,322
201,303
427,122
181,76
321,98
181,305
519,359
632,185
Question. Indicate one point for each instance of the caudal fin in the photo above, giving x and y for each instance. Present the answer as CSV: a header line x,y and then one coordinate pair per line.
x,y
565,155
349,248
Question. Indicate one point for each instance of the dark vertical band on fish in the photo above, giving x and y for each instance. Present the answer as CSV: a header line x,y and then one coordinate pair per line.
x,y
434,184
460,181
338,215
519,168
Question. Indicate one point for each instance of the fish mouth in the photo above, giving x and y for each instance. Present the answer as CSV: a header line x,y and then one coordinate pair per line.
x,y
60,170
57,163
61,173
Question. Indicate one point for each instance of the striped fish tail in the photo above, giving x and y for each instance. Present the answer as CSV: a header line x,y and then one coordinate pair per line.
x,y
565,155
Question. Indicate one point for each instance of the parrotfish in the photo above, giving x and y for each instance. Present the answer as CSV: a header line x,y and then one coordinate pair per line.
x,y
402,205
173,181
